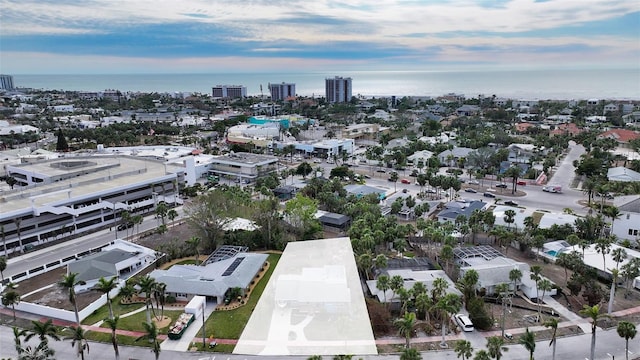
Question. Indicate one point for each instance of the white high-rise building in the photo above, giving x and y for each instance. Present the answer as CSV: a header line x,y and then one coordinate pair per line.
x,y
338,89
6,82
229,91
282,91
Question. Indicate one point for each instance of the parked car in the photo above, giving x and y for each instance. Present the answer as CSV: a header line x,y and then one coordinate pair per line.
x,y
470,190
464,322
488,195
521,182
405,181
473,182
511,203
504,186
381,171
405,191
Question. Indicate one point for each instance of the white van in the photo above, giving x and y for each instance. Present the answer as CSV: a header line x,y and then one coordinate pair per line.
x,y
464,322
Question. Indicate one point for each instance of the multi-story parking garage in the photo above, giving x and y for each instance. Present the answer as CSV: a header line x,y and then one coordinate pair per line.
x,y
62,197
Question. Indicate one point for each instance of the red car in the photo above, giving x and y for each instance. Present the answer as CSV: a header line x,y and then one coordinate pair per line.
x,y
520,182
405,181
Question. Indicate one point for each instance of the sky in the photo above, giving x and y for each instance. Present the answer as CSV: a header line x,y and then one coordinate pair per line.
x,y
209,36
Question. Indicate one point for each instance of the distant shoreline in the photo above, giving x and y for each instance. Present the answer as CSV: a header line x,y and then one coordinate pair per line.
x,y
618,84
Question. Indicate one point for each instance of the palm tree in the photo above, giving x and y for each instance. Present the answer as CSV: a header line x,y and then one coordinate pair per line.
x,y
194,244
396,283
463,349
603,246
78,337
147,283
528,340
423,304
592,312
482,355
112,322
515,275
553,324
448,304
151,335
410,354
405,326
544,285
127,291
612,292
618,255
535,275
382,284
69,282
17,334
159,294
17,222
495,347
627,331
3,267
509,217
106,286
11,298
44,331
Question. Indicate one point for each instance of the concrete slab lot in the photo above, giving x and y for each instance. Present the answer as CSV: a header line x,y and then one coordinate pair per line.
x,y
313,305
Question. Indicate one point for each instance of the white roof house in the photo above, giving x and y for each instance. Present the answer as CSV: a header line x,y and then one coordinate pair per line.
x,y
493,268
594,259
621,173
549,219
410,276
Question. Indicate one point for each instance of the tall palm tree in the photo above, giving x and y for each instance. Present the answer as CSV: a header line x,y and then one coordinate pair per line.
x,y
544,285
592,312
382,284
106,286
3,267
618,255
495,347
159,294
112,322
147,284
528,340
78,338
151,335
612,292
11,298
463,349
423,304
194,244
405,326
553,324
603,246
69,282
627,331
536,276
448,304
17,341
515,275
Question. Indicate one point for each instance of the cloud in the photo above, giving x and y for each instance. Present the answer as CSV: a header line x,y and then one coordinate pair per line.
x,y
351,31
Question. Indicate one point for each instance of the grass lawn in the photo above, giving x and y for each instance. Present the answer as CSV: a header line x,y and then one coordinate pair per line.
x,y
186,262
103,312
135,321
229,324
122,339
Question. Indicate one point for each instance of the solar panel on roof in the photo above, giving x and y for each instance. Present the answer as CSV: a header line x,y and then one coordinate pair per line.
x,y
233,266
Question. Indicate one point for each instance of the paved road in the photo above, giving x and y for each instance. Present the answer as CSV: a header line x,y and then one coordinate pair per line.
x,y
608,344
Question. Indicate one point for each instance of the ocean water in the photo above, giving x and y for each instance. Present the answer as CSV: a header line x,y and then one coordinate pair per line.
x,y
532,84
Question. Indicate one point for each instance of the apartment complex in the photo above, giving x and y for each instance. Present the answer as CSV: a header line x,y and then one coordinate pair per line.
x,y
6,82
229,91
282,91
338,89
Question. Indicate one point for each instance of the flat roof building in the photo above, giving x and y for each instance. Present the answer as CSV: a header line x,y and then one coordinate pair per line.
x,y
280,92
57,198
246,166
229,91
338,89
